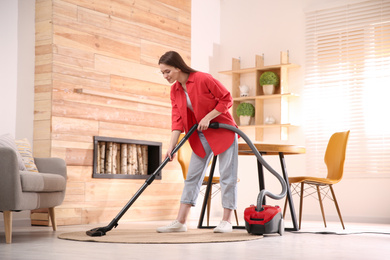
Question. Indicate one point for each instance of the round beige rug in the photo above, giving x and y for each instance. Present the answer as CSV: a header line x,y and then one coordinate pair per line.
x,y
150,236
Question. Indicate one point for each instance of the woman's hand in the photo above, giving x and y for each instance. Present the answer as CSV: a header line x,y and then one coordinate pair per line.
x,y
205,122
168,154
172,144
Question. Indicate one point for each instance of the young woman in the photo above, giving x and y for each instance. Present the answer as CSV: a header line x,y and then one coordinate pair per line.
x,y
198,98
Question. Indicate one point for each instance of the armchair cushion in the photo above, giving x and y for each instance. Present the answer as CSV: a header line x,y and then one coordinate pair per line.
x,y
42,182
25,151
7,140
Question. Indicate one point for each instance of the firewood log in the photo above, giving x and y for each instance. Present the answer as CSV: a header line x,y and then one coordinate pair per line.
x,y
139,159
102,156
129,159
98,159
123,158
118,158
145,159
109,158
134,164
114,159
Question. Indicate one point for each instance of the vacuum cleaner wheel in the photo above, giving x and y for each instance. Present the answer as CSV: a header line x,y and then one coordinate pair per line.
x,y
281,227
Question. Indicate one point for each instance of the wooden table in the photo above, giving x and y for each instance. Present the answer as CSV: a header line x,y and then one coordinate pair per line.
x,y
264,149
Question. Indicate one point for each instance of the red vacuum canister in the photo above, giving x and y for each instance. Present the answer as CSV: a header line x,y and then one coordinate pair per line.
x,y
267,220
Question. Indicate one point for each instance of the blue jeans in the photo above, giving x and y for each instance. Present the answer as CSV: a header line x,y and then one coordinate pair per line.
x,y
228,167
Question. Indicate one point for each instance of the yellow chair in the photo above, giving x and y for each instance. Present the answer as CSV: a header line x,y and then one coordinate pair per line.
x,y
334,160
184,157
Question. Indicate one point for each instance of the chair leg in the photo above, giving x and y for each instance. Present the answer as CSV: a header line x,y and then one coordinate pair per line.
x,y
235,214
209,206
337,205
321,205
285,205
284,208
8,226
301,205
52,216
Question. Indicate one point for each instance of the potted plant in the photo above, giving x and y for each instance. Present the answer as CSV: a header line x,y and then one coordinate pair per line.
x,y
245,111
269,80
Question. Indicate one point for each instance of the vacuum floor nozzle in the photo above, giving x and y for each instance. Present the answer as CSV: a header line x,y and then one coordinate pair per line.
x,y
97,232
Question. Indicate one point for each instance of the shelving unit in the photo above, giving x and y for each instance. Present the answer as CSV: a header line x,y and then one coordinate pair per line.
x,y
259,99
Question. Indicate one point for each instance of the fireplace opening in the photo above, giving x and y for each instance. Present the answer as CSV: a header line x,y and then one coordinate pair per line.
x,y
125,158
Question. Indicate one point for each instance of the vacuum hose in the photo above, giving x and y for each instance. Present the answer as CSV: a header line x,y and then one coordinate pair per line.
x,y
263,193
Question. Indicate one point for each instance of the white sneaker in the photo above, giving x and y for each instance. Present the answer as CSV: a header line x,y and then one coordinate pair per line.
x,y
224,227
175,226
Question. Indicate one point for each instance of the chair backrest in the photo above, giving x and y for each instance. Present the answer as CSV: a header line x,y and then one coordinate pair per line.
x,y
184,156
335,155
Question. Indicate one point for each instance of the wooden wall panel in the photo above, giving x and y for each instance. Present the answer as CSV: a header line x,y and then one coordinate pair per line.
x,y
140,87
78,82
43,78
128,69
103,45
111,49
134,132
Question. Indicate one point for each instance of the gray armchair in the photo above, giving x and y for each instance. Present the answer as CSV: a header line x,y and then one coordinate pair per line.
x,y
23,190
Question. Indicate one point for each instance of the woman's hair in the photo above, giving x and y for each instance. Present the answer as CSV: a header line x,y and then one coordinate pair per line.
x,y
174,59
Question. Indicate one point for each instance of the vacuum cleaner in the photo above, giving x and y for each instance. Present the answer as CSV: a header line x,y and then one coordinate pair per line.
x,y
256,221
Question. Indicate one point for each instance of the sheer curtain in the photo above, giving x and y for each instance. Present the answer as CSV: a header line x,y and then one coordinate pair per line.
x,y
347,85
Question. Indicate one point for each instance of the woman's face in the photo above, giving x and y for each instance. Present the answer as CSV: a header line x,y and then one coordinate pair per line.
x,y
171,74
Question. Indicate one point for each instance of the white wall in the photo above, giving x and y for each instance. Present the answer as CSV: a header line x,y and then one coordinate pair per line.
x,y
25,70
8,65
17,48
203,37
253,27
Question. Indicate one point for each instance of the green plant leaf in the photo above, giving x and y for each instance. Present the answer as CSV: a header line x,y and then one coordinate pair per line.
x,y
245,109
269,78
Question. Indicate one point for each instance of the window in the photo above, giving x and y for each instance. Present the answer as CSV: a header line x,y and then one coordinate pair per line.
x,y
347,85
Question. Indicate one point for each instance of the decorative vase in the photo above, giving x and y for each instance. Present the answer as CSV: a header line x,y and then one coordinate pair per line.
x,y
244,91
270,120
268,89
245,120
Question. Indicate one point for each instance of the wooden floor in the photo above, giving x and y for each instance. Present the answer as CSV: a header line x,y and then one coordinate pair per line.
x,y
42,243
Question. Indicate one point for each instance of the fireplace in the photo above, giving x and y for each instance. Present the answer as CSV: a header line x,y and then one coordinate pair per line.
x,y
125,158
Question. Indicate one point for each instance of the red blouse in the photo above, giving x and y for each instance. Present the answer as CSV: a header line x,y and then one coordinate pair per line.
x,y
206,94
